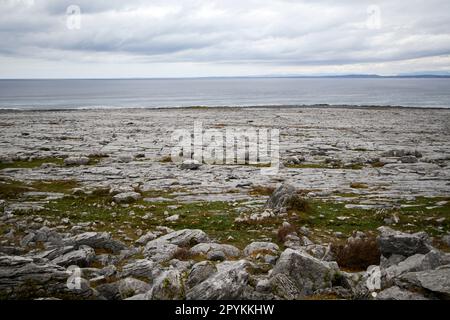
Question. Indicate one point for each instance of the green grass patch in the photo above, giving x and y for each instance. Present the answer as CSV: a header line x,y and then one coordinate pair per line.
x,y
30,164
328,216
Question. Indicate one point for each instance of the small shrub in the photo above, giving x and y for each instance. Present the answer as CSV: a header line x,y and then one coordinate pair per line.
x,y
358,185
262,191
298,203
358,253
377,164
166,159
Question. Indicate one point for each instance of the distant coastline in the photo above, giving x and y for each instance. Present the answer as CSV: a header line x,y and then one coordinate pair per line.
x,y
344,76
230,107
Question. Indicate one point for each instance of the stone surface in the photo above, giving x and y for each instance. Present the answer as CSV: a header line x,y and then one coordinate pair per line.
x,y
96,240
190,165
146,238
261,248
405,244
123,289
396,293
200,272
183,238
282,198
126,197
22,278
160,251
204,248
168,286
390,137
283,287
229,282
81,257
417,262
70,161
139,268
308,273
435,282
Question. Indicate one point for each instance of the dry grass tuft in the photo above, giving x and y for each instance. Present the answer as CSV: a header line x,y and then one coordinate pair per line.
x,y
261,191
357,254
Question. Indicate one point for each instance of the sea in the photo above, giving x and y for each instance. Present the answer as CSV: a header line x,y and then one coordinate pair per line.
x,y
210,92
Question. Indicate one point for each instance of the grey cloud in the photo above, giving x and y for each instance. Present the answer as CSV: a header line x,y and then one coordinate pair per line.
x,y
274,32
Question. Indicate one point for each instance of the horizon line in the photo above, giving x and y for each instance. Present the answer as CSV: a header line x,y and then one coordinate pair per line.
x,y
424,75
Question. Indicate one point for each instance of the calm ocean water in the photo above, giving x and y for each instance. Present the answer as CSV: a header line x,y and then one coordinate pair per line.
x,y
73,94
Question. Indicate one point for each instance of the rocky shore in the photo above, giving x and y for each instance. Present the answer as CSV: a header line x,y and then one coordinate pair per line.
x,y
91,207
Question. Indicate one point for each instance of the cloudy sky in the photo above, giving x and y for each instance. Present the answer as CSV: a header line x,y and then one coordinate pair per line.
x,y
176,38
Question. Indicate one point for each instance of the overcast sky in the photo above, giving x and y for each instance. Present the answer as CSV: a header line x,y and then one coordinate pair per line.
x,y
175,38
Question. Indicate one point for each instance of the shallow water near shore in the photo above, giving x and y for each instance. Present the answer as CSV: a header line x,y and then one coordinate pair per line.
x,y
151,93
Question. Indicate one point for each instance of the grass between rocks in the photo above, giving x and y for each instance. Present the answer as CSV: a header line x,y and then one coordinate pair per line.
x,y
36,163
30,164
323,218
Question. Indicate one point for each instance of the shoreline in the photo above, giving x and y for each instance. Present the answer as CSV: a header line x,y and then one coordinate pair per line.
x,y
228,107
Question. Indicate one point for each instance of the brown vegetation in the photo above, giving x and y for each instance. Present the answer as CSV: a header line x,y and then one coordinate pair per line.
x,y
357,254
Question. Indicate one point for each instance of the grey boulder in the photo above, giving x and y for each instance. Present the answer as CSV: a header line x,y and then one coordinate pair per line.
x,y
432,282
229,282
96,240
395,242
139,268
183,238
308,273
127,197
205,248
81,257
76,161
168,286
282,199
200,272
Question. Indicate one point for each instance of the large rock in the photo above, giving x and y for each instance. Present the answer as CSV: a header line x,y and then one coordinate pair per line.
x,y
308,273
81,257
205,248
52,253
396,293
417,262
22,278
261,248
149,236
284,198
200,272
123,289
160,251
168,286
76,161
139,268
229,282
284,288
182,238
190,165
44,234
96,240
432,282
127,197
400,243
